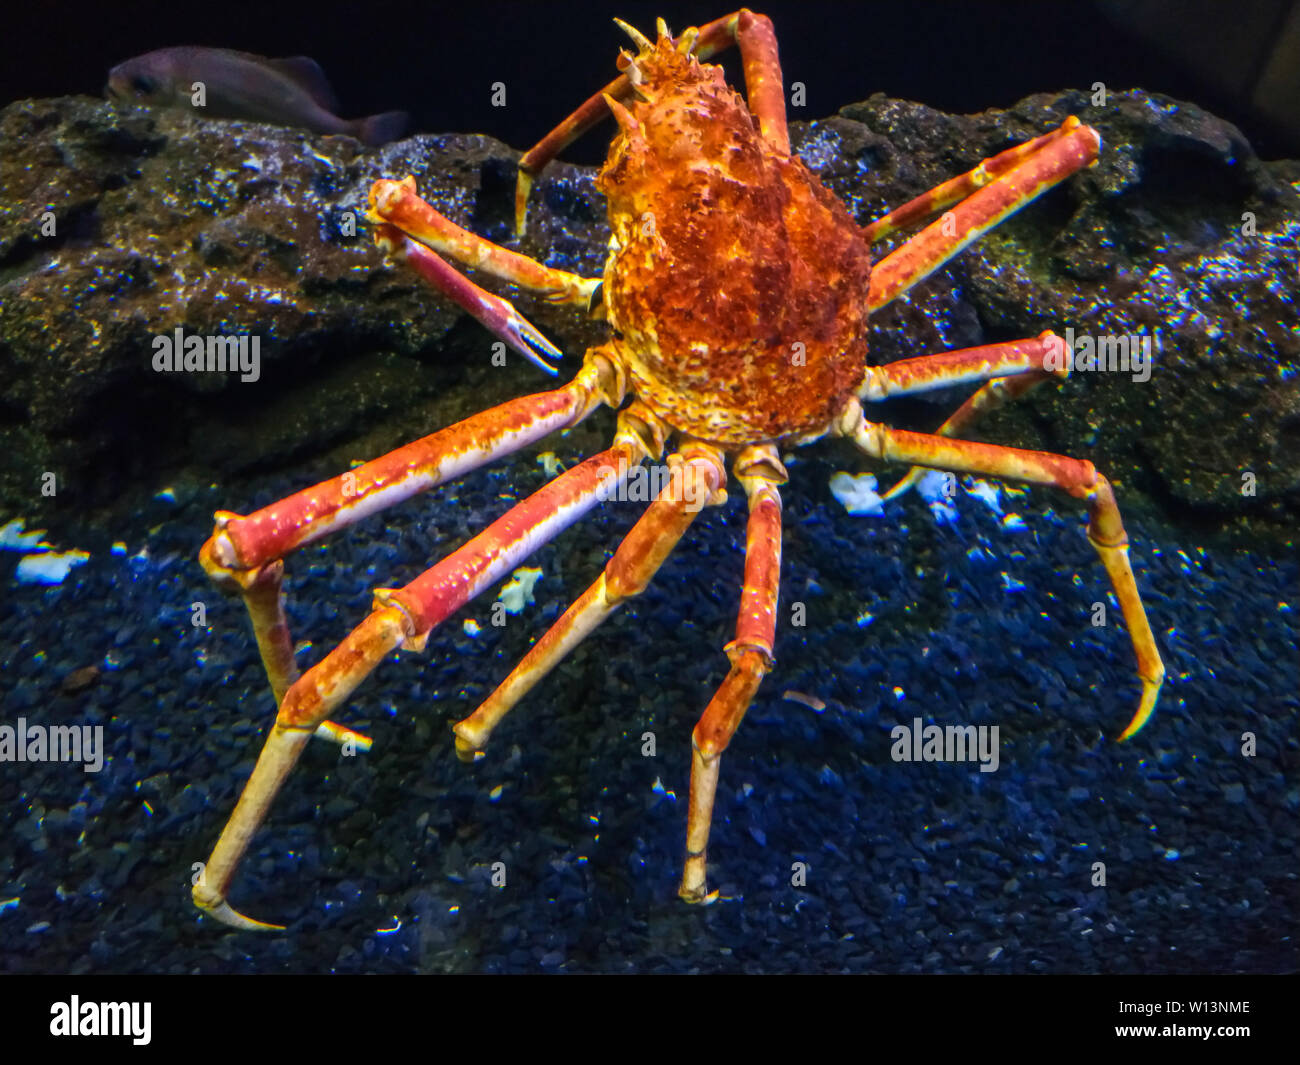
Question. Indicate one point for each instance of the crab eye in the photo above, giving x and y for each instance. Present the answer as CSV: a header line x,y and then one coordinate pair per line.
x,y
143,85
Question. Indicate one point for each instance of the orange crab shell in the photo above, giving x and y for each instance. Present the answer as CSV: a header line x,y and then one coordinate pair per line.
x,y
737,283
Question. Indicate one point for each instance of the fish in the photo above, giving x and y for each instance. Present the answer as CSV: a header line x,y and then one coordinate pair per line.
x,y
240,85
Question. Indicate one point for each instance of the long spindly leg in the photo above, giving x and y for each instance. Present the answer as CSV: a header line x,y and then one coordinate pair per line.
x,y
757,41
989,396
963,366
759,469
260,587
763,84
404,617
916,211
244,554
1027,179
697,480
1009,370
1077,477
590,112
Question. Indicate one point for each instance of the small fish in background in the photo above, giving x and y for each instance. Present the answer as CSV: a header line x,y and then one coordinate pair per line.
x,y
239,85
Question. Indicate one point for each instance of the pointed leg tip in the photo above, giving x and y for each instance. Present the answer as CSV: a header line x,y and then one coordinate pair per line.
x,y
468,752
338,734
694,888
1134,727
216,907
697,896
901,488
1145,709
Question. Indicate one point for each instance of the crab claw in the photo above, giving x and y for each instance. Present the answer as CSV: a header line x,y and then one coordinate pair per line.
x,y
497,315
527,339
213,903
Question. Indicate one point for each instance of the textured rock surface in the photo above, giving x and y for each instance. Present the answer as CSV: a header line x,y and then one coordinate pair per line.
x,y
1149,241
164,222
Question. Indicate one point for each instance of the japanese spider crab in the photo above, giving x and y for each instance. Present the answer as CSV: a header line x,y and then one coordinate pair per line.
x,y
738,290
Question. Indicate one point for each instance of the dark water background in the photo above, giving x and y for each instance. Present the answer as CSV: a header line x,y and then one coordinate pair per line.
x,y
439,61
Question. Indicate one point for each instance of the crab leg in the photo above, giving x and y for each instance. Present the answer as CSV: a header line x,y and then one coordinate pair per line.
x,y
1023,358
757,41
916,211
589,113
928,372
1077,477
764,87
759,469
260,588
397,204
405,617
244,553
698,475
989,396
924,253
308,515
497,315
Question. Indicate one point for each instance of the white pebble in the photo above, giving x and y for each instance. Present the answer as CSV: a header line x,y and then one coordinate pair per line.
x,y
858,494
51,568
519,592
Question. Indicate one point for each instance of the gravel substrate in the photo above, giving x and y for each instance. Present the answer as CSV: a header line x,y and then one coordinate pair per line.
x,y
383,862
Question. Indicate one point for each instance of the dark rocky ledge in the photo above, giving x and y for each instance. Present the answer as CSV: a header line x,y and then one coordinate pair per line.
x,y
164,222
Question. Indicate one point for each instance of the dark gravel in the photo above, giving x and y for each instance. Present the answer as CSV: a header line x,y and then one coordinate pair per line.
x,y
911,867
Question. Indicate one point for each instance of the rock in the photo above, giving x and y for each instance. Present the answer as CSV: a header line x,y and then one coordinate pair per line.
x,y
162,221
1155,238
79,680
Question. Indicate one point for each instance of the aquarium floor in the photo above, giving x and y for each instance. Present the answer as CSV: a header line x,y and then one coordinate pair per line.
x,y
388,861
